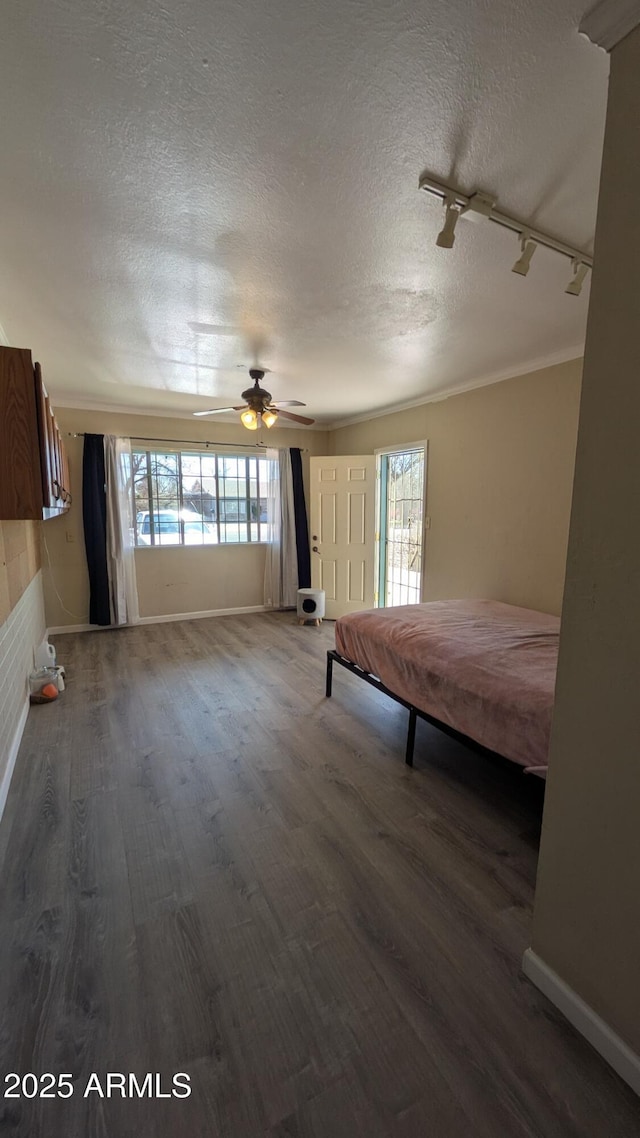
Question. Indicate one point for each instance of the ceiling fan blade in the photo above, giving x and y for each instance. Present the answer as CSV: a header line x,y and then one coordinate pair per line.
x,y
296,418
288,403
219,410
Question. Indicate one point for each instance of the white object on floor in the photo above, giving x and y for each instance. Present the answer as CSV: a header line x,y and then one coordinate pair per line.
x,y
310,605
45,655
59,678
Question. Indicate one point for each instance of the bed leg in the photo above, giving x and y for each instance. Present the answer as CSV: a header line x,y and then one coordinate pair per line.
x,y
329,675
411,737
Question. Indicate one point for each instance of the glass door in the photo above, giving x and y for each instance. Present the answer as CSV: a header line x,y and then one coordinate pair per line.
x,y
401,527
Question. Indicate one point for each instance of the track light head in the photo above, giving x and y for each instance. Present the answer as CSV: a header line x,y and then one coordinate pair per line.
x,y
580,270
447,235
527,249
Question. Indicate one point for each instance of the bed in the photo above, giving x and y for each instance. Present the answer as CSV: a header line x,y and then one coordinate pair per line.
x,y
479,670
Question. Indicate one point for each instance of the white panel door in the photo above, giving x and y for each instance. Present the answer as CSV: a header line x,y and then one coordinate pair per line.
x,y
343,531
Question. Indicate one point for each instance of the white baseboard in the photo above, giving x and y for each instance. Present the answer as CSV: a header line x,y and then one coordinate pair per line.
x,y
612,1048
60,629
12,756
201,615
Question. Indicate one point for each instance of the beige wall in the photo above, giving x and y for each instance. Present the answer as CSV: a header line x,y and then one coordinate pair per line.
x,y
19,562
194,579
587,914
169,580
499,484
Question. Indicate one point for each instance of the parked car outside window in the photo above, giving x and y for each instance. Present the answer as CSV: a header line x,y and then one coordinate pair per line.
x,y
168,526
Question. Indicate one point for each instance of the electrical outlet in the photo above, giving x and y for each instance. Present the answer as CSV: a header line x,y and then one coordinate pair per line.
x,y
71,537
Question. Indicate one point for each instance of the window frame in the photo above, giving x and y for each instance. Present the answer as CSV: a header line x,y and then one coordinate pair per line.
x,y
382,455
246,472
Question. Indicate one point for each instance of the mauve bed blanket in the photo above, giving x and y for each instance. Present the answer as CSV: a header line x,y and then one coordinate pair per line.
x,y
486,669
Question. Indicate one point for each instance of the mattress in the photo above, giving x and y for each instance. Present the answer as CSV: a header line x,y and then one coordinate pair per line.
x,y
484,668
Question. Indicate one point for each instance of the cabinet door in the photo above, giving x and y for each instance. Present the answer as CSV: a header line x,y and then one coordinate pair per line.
x,y
20,481
46,468
67,476
55,436
62,486
53,460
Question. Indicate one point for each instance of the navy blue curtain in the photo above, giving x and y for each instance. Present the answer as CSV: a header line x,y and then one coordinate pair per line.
x,y
94,516
302,528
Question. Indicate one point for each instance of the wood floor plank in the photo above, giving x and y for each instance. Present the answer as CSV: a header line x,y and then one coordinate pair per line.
x,y
210,868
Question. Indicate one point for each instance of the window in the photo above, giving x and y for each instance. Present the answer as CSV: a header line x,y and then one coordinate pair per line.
x,y
401,512
199,499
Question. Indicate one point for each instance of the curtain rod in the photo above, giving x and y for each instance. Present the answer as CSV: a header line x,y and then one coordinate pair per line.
x,y
187,442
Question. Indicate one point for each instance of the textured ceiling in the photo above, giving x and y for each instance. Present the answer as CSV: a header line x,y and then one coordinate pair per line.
x,y
254,167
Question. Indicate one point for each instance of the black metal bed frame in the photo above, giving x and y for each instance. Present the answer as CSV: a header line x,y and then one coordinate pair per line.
x,y
414,712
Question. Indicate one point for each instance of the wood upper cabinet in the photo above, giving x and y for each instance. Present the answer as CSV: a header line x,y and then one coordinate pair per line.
x,y
34,471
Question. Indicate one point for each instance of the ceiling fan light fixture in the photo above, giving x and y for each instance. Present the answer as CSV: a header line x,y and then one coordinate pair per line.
x,y
258,408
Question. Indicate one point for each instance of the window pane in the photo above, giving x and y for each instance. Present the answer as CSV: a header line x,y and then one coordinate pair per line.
x,y
165,464
230,488
229,533
191,466
230,466
208,486
208,465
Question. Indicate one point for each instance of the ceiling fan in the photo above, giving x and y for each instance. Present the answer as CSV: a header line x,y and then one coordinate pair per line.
x,y
258,406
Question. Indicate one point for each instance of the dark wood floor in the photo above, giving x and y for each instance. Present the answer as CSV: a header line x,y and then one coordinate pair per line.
x,y
209,868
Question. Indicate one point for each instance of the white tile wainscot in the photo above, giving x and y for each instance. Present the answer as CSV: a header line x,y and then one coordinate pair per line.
x,y
23,630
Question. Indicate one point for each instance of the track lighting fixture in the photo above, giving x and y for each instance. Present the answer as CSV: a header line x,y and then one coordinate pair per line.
x,y
527,249
580,270
447,234
478,206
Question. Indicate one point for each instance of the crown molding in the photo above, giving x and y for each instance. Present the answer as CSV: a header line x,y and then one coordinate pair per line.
x,y
78,404
576,352
610,21
74,404
70,403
